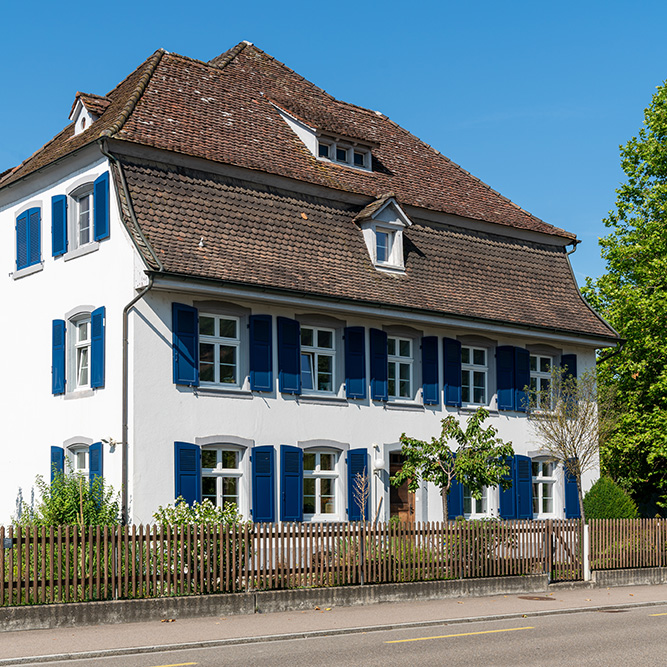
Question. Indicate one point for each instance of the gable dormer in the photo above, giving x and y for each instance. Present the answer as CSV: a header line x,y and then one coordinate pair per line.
x,y
382,223
329,146
86,110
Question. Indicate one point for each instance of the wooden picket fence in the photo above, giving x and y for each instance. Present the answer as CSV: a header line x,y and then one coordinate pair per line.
x,y
628,543
67,564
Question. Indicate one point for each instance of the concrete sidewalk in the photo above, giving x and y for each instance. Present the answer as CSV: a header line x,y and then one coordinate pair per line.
x,y
151,636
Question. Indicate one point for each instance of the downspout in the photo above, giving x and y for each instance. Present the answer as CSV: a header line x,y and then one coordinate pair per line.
x,y
126,311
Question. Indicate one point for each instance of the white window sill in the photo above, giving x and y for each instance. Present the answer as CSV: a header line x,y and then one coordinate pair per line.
x,y
408,406
469,409
322,399
349,165
79,393
231,392
314,518
391,269
81,250
28,270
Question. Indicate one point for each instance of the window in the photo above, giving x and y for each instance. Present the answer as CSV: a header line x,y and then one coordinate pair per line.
x,y
474,371
221,475
80,342
83,210
78,456
384,243
320,479
28,241
219,350
399,359
344,153
540,380
317,359
473,506
543,487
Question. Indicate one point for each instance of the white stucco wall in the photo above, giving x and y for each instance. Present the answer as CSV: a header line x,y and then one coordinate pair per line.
x,y
34,419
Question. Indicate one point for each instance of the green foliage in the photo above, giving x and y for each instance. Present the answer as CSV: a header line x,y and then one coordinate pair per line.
x,y
607,500
183,514
71,500
632,296
480,458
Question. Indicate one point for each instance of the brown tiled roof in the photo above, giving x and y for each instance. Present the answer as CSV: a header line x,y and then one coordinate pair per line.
x,y
94,103
266,237
223,111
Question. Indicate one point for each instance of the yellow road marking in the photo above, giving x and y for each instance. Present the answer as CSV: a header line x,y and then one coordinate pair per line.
x,y
463,634
665,614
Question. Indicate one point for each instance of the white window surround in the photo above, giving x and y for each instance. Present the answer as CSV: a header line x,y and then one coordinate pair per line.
x,y
544,479
219,350
323,498
318,360
540,379
477,509
400,359
79,459
80,219
475,375
78,350
226,480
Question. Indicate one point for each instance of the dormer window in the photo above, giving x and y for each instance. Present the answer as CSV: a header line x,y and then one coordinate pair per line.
x,y
382,224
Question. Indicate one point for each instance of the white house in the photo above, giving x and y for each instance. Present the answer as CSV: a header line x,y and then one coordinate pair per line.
x,y
226,284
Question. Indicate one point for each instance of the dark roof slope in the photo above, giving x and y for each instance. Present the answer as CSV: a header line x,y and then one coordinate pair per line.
x,y
224,111
214,227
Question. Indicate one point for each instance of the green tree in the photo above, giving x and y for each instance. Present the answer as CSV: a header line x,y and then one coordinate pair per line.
x,y
71,500
632,296
607,500
480,459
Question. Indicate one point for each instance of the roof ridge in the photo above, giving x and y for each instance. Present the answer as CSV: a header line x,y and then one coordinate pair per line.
x,y
99,97
134,98
221,61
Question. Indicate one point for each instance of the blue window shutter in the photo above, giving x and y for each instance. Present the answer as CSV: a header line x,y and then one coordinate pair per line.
x,y
101,206
430,383
57,461
524,487
263,484
187,466
185,324
508,497
97,329
291,483
505,376
34,236
451,352
58,357
22,241
455,500
355,362
289,356
357,462
521,378
261,353
95,465
572,509
379,384
58,225
569,361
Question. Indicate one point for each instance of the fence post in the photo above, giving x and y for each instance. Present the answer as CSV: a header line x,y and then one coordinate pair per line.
x,y
586,552
362,553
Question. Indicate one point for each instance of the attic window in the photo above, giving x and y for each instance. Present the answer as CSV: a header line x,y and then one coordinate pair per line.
x,y
344,153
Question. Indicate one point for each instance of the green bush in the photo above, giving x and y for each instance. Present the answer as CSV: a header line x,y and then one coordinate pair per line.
x,y
607,500
182,514
71,500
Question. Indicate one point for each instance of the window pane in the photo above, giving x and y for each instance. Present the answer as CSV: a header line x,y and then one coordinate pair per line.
x,y
309,461
324,373
536,498
341,155
327,504
80,460
325,339
227,364
536,468
206,325
324,150
206,373
479,357
209,458
230,460
391,347
533,363
479,380
391,373
83,366
404,370
545,365
533,384
306,370
467,502
358,159
465,355
404,348
465,386
547,469
327,461
206,353
306,337
228,328
209,489
483,502
308,495
382,246
230,493
82,330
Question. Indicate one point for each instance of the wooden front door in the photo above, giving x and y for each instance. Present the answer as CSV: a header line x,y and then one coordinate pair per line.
x,y
401,500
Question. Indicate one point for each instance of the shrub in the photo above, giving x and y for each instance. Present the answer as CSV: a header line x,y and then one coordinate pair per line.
x,y
607,500
183,514
71,500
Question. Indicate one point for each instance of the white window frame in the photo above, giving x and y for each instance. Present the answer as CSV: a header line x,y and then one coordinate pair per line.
x,y
76,349
540,482
470,368
219,473
315,352
219,341
318,474
73,454
350,149
396,360
478,509
82,192
538,378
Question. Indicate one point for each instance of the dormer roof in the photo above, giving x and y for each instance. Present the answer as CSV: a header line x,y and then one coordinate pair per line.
x,y
374,209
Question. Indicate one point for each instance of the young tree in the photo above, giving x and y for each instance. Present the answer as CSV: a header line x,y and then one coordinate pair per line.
x,y
632,296
570,419
361,489
480,459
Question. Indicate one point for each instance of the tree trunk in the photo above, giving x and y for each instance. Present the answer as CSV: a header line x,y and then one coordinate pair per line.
x,y
444,494
581,498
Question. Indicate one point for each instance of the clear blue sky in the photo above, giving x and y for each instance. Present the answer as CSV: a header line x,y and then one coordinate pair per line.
x,y
532,97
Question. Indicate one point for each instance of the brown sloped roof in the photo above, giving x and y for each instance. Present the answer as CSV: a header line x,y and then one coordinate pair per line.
x,y
224,111
94,103
266,237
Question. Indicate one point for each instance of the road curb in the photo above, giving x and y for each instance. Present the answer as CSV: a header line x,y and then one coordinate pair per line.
x,y
314,634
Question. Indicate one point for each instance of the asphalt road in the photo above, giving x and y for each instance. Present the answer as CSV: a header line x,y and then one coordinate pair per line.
x,y
627,637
